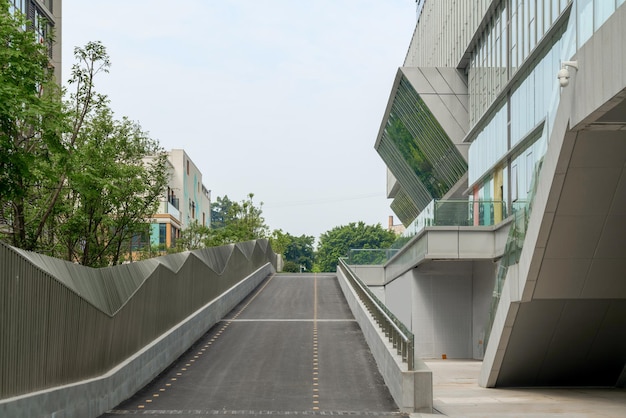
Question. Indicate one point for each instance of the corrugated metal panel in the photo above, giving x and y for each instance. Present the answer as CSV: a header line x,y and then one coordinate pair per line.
x,y
61,322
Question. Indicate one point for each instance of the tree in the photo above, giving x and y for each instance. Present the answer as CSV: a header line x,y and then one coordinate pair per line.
x,y
74,182
118,176
32,120
279,241
221,212
338,241
242,222
297,250
193,237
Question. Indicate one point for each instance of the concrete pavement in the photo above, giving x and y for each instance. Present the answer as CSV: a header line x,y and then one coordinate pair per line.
x,y
457,394
291,348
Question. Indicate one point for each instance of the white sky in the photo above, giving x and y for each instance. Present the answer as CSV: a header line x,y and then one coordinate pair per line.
x,y
280,98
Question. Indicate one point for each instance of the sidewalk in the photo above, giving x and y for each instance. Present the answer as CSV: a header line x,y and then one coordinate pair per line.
x,y
456,394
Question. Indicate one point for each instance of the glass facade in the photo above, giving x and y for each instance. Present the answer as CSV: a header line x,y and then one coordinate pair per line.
x,y
512,32
510,51
404,207
417,150
508,141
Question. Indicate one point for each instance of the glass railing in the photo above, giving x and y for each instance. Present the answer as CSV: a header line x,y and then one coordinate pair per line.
x,y
458,213
370,257
168,208
437,213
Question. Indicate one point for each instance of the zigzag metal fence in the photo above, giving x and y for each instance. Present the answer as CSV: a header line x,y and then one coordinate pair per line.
x,y
61,322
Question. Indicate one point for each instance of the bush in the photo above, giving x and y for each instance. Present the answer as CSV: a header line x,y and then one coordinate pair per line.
x,y
291,267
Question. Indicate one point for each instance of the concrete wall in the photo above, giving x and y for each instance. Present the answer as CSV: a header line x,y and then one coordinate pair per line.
x,y
446,305
91,398
370,275
483,280
442,312
398,298
412,390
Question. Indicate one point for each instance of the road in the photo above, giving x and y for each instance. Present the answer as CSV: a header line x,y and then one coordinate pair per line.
x,y
291,348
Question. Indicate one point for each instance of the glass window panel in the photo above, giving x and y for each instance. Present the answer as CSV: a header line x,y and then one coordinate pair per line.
x,y
555,9
540,28
531,25
602,10
585,21
547,20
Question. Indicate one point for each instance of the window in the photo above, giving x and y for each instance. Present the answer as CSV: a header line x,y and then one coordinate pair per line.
x,y
162,234
514,196
174,235
17,5
187,167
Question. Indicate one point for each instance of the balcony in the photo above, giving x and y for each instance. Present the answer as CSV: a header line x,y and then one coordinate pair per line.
x,y
169,209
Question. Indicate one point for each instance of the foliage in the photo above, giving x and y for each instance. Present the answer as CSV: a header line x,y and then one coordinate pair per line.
x,y
74,182
112,189
193,237
279,241
31,122
291,267
236,222
294,249
338,241
220,210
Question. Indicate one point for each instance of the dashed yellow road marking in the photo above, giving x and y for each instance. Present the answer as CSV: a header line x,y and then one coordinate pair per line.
x,y
316,395
207,345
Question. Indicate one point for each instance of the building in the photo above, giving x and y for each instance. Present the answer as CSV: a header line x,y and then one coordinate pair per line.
x,y
505,142
187,200
46,18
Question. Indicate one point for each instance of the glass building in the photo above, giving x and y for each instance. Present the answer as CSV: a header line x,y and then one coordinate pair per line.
x,y
505,141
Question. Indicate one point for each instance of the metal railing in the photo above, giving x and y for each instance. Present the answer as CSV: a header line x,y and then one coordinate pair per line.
x,y
61,322
398,334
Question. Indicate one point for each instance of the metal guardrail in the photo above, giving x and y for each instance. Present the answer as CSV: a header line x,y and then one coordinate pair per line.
x,y
61,322
401,338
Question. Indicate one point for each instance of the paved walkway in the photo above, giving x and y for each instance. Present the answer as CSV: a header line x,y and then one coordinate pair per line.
x,y
457,394
291,348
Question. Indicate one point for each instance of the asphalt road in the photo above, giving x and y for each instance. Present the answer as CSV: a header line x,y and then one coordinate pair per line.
x,y
291,348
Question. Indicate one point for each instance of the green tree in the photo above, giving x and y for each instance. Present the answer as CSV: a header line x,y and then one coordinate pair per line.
x,y
279,241
31,123
193,237
298,250
221,212
291,267
243,221
338,241
118,176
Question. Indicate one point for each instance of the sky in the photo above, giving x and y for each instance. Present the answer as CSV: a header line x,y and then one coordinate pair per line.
x,y
279,98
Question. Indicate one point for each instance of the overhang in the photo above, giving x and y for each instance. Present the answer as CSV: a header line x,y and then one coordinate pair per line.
x,y
421,135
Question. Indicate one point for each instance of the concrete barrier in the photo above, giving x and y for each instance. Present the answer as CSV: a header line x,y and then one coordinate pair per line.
x,y
93,397
411,389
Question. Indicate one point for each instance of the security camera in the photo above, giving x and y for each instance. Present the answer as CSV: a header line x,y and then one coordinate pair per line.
x,y
563,76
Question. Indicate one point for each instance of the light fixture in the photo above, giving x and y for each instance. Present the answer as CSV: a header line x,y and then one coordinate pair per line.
x,y
563,74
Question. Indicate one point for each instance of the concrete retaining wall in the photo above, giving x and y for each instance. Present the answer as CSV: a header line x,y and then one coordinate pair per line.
x,y
91,398
412,390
